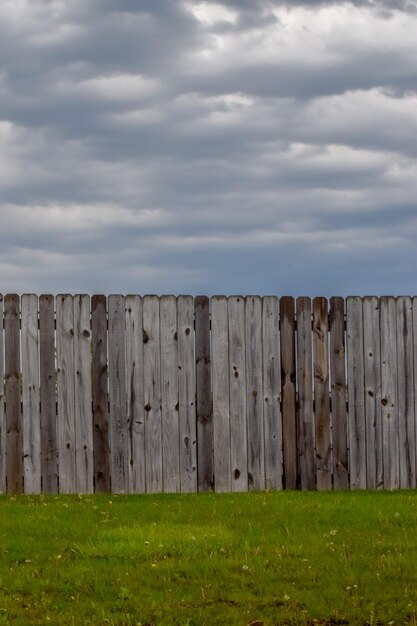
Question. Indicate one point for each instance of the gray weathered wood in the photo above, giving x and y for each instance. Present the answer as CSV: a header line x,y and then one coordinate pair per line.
x,y
152,394
321,394
414,305
272,392
405,393
220,377
65,392
356,387
389,404
47,374
118,421
288,381
338,393
169,392
237,387
31,424
83,398
186,389
254,393
372,363
2,413
306,428
12,376
100,394
203,394
134,394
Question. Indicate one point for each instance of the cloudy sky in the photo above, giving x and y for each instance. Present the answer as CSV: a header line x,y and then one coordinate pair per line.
x,y
239,146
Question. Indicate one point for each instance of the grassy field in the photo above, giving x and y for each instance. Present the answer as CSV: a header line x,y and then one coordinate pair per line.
x,y
270,558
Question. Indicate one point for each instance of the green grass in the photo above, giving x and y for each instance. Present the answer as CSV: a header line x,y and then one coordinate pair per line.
x,y
271,558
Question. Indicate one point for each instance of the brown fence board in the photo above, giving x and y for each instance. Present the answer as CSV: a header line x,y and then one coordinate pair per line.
x,y
31,425
47,373
14,452
288,381
272,392
100,393
186,389
2,413
338,392
169,393
306,428
204,404
134,393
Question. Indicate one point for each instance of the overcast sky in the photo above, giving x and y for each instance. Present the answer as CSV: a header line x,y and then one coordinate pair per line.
x,y
242,146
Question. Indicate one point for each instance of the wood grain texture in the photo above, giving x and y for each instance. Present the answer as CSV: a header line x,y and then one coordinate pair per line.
x,y
169,391
321,394
254,393
186,388
405,393
288,382
338,393
220,377
14,442
100,394
372,362
135,393
152,394
237,395
389,402
31,424
414,305
306,428
47,374
83,397
272,392
3,485
65,392
118,421
205,472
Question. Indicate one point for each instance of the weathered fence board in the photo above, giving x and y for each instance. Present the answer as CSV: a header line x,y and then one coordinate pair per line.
x,y
356,387
306,428
221,411
134,393
30,395
146,394
272,392
169,394
338,392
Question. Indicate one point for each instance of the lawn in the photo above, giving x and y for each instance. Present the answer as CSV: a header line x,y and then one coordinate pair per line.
x,y
264,558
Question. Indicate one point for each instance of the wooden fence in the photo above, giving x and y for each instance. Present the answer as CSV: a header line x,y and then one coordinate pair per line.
x,y
174,394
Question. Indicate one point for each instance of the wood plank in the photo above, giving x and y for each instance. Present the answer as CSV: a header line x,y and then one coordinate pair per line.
x,y
65,392
118,426
372,357
237,399
356,387
414,305
14,441
321,394
338,393
186,388
205,473
169,392
49,446
134,395
306,427
405,393
389,404
272,392
100,394
152,394
254,393
3,484
83,398
31,424
288,382
220,377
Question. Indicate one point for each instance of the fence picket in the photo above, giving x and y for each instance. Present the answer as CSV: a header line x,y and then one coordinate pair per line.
x,y
203,394
2,413
306,429
288,381
14,461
